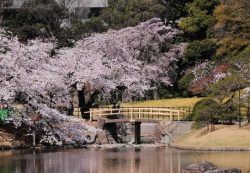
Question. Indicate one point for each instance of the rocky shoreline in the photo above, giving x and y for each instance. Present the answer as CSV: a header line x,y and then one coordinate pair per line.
x,y
152,136
94,146
122,146
125,146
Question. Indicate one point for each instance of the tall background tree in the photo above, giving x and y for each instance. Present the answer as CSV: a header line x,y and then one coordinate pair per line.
x,y
199,21
3,5
35,18
123,13
232,27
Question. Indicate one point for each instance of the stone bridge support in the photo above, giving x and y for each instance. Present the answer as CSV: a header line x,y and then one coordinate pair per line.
x,y
137,132
111,123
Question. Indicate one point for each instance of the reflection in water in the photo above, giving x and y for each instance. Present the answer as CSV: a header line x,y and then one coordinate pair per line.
x,y
145,161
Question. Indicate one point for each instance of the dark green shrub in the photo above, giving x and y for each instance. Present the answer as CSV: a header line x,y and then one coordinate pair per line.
x,y
229,113
184,83
211,111
206,110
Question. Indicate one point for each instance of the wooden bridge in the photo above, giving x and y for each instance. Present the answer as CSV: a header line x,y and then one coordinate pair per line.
x,y
132,113
136,116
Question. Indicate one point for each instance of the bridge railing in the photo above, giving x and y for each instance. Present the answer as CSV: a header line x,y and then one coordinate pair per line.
x,y
138,113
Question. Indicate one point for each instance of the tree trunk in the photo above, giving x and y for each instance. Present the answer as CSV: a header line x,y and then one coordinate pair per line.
x,y
84,104
208,126
81,104
248,115
71,109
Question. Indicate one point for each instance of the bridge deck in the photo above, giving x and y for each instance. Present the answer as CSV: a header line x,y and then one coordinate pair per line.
x,y
126,120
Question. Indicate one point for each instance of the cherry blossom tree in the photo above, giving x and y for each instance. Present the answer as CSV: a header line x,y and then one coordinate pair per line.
x,y
43,77
131,57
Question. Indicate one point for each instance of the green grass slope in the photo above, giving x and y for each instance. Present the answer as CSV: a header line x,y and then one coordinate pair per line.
x,y
176,102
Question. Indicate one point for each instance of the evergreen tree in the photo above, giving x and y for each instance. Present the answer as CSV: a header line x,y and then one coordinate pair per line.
x,y
198,23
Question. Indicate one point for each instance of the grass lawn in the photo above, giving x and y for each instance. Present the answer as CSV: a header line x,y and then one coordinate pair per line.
x,y
176,102
223,136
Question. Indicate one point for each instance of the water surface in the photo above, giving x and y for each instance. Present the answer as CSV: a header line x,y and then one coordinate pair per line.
x,y
129,161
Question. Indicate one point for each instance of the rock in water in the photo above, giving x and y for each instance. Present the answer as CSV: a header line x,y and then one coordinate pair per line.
x,y
200,167
207,167
233,170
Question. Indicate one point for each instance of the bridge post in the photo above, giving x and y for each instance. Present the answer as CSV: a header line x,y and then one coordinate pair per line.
x,y
137,132
131,114
90,115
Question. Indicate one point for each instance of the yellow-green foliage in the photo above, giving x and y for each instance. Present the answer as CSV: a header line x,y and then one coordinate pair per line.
x,y
231,44
232,27
177,102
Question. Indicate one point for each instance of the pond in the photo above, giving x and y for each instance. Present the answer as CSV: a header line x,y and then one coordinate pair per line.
x,y
163,160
